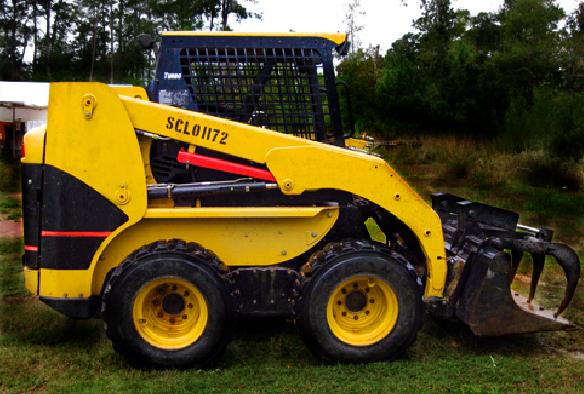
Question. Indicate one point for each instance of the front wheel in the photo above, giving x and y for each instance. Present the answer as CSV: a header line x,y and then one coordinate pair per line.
x,y
169,307
361,305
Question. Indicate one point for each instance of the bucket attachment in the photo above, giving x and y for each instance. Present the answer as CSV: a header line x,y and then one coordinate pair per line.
x,y
480,270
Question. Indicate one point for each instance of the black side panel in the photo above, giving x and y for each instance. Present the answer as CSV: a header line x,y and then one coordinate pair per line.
x,y
265,291
76,219
72,205
69,253
75,308
31,210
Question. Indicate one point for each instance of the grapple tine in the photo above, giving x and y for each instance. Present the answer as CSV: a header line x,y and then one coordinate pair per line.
x,y
485,245
538,264
516,257
564,255
570,263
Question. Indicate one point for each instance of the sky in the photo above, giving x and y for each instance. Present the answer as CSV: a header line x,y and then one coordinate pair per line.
x,y
385,20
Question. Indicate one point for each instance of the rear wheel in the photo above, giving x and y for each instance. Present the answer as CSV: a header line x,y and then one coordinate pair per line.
x,y
167,306
360,304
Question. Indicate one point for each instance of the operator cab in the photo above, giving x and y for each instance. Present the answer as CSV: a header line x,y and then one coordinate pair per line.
x,y
284,82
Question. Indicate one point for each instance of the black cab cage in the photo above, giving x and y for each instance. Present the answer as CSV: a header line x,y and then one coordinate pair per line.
x,y
284,82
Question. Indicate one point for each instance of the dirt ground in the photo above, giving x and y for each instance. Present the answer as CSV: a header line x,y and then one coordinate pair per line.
x,y
10,228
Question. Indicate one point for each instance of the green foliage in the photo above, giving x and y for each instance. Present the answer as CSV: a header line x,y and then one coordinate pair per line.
x,y
400,93
481,81
90,40
546,170
9,175
566,125
10,203
361,73
518,126
16,216
554,120
11,246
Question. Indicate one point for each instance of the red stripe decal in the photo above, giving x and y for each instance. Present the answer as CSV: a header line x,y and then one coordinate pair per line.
x,y
76,233
223,165
31,248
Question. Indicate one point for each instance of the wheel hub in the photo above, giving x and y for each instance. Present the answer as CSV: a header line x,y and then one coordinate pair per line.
x,y
173,304
170,313
355,302
362,310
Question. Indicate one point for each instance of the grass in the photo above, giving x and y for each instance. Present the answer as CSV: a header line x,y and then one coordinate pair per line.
x,y
43,351
51,353
10,203
11,279
15,215
482,171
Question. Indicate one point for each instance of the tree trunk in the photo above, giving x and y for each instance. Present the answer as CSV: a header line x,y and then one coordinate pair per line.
x,y
225,5
112,42
94,43
120,38
49,39
13,40
34,53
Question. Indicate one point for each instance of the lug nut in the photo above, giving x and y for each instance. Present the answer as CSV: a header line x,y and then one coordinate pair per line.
x,y
155,302
171,320
372,300
160,314
356,317
186,293
184,317
339,303
343,291
344,313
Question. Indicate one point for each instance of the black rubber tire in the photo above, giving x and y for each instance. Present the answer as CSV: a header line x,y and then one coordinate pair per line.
x,y
339,262
176,260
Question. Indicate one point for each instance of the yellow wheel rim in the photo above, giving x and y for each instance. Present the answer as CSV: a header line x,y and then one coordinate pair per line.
x,y
362,310
170,313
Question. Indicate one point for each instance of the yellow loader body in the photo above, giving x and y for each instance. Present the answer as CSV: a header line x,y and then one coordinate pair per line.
x,y
229,188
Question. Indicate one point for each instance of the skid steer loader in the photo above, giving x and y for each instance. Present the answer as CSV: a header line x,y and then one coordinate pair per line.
x,y
227,189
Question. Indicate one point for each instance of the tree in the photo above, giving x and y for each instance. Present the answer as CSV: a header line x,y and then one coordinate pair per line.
x,y
436,31
351,21
15,35
401,93
530,50
359,71
574,46
485,35
229,7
